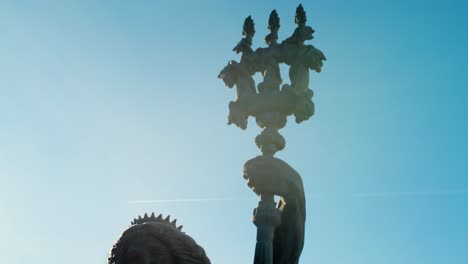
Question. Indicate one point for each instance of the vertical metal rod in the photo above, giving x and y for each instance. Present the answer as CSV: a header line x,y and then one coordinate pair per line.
x,y
266,218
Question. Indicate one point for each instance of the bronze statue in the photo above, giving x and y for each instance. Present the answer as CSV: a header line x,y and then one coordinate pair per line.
x,y
280,227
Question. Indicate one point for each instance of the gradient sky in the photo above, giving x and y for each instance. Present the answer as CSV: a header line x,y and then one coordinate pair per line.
x,y
107,102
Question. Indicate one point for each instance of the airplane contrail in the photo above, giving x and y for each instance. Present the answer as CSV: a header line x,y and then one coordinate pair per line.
x,y
357,194
412,193
182,200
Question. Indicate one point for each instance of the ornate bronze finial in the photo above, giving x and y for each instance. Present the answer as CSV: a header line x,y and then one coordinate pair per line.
x,y
273,26
274,21
301,17
248,30
302,32
249,27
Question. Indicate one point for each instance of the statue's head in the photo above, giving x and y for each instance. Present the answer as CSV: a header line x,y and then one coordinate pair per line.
x,y
301,34
154,240
230,73
306,32
244,46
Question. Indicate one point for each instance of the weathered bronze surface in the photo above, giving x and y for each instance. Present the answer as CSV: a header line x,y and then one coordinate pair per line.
x,y
151,240
280,228
288,99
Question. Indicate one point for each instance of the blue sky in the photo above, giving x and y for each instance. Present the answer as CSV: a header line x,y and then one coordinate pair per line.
x,y
106,102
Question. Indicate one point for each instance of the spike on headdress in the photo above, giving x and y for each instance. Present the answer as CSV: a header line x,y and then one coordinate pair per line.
x,y
273,21
152,218
301,17
249,27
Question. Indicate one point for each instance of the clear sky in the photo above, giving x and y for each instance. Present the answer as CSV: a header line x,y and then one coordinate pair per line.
x,y
107,102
